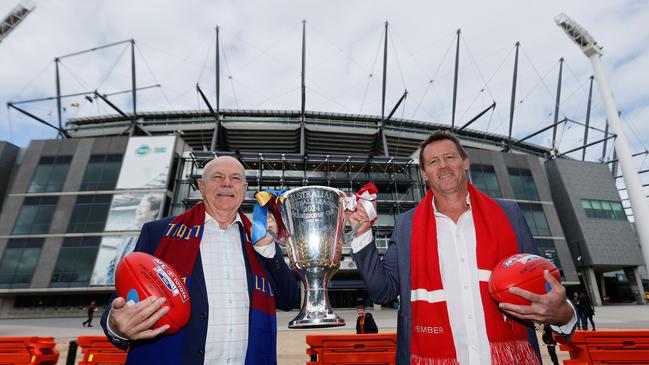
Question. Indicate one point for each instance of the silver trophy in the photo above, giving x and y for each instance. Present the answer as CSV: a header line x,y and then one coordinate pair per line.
x,y
313,217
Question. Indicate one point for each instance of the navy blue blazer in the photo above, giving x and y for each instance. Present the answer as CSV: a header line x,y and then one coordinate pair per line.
x,y
192,339
390,277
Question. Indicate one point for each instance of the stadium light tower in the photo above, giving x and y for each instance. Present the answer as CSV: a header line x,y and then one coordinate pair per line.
x,y
631,177
15,17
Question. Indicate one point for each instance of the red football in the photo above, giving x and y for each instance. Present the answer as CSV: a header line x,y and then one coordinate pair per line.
x,y
524,271
140,275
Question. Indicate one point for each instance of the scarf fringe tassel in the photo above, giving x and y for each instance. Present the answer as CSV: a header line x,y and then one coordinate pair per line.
x,y
502,353
419,360
516,352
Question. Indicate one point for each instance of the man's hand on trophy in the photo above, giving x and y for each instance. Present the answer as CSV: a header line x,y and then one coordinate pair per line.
x,y
271,232
358,219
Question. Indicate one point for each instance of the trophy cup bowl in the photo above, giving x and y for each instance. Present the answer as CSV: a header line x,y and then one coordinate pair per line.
x,y
313,217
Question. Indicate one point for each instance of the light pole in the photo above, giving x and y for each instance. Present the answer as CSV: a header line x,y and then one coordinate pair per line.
x,y
631,177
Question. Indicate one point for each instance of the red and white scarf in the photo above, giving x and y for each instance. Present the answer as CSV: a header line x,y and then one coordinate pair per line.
x,y
432,338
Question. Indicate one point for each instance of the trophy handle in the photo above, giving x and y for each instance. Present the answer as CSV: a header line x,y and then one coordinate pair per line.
x,y
278,217
349,237
281,242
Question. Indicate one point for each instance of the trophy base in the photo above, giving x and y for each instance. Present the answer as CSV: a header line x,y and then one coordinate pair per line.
x,y
316,323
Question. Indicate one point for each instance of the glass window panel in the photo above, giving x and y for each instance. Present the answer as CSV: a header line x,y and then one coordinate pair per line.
x,y
607,210
93,173
40,178
484,178
57,177
27,215
102,172
618,211
67,259
75,262
617,206
536,219
18,262
541,224
28,260
35,215
604,209
86,258
50,174
10,260
493,189
44,214
90,213
5,280
523,184
21,230
386,217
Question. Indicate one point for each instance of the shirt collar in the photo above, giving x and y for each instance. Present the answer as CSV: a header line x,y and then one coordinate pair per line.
x,y
237,219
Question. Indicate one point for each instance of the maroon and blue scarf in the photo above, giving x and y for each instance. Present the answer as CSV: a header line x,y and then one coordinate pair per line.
x,y
432,338
180,246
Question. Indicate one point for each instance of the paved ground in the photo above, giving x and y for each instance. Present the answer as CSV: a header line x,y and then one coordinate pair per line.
x,y
291,343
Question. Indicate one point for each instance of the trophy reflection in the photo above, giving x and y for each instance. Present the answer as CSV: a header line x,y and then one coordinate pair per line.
x,y
314,219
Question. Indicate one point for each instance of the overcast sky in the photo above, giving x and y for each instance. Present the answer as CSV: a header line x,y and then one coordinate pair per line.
x,y
260,43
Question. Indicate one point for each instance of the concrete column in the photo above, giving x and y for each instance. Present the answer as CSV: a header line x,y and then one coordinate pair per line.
x,y
6,303
602,285
635,282
589,277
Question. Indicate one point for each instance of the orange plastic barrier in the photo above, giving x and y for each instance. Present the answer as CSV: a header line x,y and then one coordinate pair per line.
x,y
97,350
375,349
607,347
28,351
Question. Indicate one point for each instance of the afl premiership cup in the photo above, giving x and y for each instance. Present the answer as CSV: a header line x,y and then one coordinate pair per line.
x,y
314,219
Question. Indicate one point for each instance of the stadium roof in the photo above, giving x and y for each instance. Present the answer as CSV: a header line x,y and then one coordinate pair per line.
x,y
278,131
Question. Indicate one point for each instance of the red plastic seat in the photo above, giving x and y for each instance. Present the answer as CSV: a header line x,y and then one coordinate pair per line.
x,y
28,350
98,350
607,347
376,349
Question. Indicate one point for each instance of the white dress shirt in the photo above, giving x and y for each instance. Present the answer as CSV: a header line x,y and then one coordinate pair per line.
x,y
461,281
227,291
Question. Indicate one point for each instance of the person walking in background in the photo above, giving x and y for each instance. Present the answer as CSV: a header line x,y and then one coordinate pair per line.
x,y
575,302
92,308
586,311
550,342
365,322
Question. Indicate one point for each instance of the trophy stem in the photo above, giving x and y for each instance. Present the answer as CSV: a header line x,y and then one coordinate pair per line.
x,y
316,310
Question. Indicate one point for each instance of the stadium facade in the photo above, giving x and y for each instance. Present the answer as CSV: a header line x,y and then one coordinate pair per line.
x,y
72,207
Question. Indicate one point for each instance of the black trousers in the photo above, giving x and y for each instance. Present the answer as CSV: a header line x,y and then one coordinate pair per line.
x,y
553,354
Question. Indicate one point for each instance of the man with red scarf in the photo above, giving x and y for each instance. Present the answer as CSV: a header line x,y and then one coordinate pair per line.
x,y
234,286
438,262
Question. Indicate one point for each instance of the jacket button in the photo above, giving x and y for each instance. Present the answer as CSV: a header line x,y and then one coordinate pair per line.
x,y
204,315
200,353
